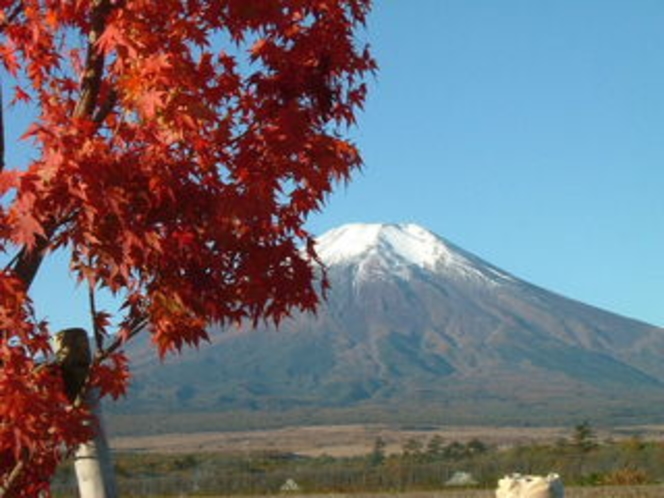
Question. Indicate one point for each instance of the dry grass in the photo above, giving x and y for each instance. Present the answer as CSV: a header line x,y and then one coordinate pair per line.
x,y
594,492
617,492
336,441
350,440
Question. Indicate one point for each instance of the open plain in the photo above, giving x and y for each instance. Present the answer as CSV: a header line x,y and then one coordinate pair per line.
x,y
354,440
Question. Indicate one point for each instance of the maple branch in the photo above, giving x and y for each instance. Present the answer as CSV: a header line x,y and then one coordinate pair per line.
x,y
94,64
106,107
135,327
28,260
98,335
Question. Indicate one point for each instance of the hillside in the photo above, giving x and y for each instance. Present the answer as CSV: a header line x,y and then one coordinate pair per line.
x,y
416,329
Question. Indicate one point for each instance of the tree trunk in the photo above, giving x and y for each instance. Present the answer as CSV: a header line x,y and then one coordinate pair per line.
x,y
93,464
92,460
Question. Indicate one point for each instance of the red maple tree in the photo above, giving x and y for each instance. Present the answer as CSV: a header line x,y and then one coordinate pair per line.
x,y
179,146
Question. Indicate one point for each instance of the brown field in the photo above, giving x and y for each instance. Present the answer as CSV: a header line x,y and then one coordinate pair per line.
x,y
351,440
595,492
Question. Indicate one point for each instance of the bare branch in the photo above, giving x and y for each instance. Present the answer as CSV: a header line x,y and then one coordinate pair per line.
x,y
98,334
137,325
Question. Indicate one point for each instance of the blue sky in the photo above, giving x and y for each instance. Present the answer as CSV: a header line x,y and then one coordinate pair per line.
x,y
529,132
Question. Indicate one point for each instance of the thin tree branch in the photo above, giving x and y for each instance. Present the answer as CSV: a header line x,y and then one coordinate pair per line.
x,y
106,107
135,327
94,64
96,330
28,260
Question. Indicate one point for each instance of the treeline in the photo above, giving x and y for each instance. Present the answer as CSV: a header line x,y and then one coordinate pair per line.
x,y
422,464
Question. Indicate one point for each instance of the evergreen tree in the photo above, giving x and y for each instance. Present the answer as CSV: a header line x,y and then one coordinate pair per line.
x,y
377,456
584,438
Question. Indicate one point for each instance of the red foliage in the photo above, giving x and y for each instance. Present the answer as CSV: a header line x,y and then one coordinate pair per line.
x,y
180,146
36,419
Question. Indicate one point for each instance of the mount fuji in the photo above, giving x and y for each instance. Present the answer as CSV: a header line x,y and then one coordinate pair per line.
x,y
416,330
395,250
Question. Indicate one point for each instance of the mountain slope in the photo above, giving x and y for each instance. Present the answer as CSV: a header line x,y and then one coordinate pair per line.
x,y
414,321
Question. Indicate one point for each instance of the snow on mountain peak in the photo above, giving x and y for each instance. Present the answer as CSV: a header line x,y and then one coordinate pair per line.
x,y
398,248
409,243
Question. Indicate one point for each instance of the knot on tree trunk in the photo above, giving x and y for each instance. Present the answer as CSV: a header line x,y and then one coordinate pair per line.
x,y
73,356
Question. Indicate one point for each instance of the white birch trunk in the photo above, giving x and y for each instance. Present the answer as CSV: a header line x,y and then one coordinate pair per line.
x,y
92,460
93,464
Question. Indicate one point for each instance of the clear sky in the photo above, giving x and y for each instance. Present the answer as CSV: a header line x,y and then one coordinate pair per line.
x,y
529,132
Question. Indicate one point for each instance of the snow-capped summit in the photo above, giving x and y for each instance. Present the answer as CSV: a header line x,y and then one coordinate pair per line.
x,y
396,248
409,243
